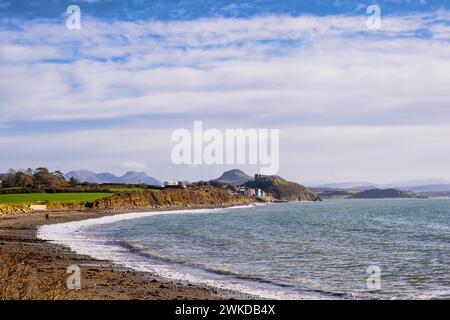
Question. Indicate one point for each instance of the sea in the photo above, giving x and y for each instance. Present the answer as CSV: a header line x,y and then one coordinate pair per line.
x,y
336,249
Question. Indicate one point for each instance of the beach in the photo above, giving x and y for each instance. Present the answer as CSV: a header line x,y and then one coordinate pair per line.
x,y
36,269
246,252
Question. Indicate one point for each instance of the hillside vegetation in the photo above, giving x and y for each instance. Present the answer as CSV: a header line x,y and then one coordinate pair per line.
x,y
382,193
282,189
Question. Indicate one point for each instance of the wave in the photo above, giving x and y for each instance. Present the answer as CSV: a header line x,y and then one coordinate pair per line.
x,y
72,235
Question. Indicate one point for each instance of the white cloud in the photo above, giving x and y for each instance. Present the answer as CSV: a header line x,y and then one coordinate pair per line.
x,y
22,53
375,154
341,95
226,65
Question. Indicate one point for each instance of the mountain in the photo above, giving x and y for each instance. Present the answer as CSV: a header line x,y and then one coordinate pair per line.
x,y
139,177
130,177
82,175
429,188
381,194
424,185
233,177
414,183
282,189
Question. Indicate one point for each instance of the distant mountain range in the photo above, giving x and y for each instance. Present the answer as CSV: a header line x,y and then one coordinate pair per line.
x,y
347,185
414,183
130,177
429,188
426,185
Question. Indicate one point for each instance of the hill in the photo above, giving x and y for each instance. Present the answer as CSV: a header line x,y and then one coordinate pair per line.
x,y
424,185
233,177
282,189
414,183
130,177
329,193
381,194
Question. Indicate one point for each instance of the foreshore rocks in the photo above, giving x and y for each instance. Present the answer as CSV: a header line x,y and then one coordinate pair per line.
x,y
14,209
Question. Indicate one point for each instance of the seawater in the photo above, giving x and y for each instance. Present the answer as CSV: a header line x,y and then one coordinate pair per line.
x,y
289,251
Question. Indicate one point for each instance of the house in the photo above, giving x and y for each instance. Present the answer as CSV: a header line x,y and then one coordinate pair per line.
x,y
171,183
259,193
175,183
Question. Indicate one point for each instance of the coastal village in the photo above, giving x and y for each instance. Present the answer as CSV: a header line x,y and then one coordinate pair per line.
x,y
239,190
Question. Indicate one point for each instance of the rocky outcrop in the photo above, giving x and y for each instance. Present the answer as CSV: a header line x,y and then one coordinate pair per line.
x,y
26,208
14,209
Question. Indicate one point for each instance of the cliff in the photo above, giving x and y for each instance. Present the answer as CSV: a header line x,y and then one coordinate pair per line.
x,y
193,196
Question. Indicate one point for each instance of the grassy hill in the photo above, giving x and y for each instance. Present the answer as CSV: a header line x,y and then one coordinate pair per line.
x,y
382,194
282,189
334,194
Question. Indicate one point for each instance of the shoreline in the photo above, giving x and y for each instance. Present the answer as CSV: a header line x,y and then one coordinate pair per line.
x,y
72,235
42,265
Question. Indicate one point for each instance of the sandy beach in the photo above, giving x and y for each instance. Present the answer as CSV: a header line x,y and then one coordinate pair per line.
x,y
36,269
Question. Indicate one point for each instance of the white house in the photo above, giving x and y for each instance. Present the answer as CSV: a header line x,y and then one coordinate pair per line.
x,y
259,193
171,183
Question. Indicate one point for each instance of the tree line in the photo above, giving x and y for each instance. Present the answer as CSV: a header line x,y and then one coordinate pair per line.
x,y
39,178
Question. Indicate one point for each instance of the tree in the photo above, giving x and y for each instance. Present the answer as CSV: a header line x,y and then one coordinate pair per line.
x,y
74,182
41,170
10,178
42,178
22,179
39,178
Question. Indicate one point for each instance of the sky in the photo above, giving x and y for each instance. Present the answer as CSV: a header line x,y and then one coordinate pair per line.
x,y
351,104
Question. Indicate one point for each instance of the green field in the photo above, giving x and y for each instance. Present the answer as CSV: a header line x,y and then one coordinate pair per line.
x,y
36,198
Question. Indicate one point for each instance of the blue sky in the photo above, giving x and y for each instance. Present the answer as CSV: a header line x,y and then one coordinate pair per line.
x,y
351,103
182,9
